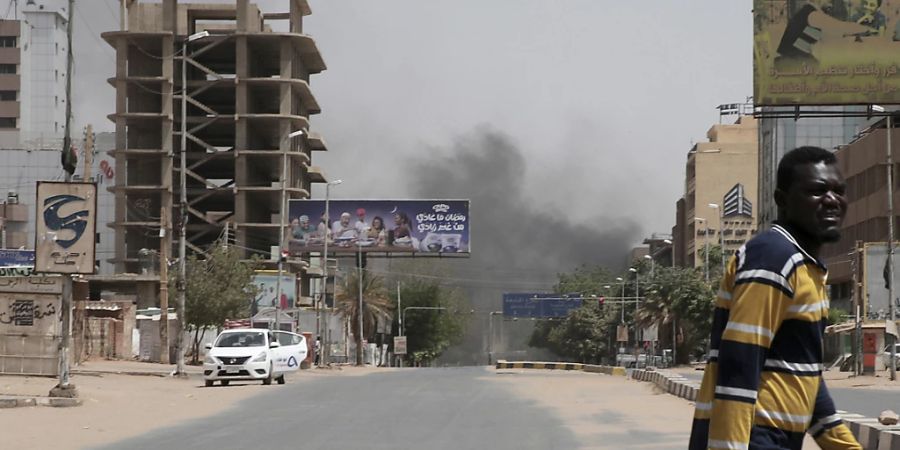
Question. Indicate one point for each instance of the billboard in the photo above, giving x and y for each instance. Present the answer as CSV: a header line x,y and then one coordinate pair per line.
x,y
826,52
875,284
427,227
65,227
16,258
535,304
266,282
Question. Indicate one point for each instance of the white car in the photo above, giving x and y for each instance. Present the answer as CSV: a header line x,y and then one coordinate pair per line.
x,y
253,354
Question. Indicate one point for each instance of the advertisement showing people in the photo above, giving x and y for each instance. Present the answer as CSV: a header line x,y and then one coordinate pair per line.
x,y
266,283
826,52
436,227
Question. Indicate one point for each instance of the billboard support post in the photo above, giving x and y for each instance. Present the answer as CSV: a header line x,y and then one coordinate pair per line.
x,y
359,312
892,328
321,319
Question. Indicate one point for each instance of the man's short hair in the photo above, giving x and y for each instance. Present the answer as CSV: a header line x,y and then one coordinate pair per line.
x,y
798,157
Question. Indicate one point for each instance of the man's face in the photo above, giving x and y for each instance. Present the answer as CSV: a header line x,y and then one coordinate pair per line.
x,y
815,201
345,220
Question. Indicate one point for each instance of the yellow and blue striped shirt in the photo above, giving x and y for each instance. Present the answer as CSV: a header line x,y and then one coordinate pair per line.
x,y
763,387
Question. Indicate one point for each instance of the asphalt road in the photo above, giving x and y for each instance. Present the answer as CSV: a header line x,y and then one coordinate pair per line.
x,y
452,408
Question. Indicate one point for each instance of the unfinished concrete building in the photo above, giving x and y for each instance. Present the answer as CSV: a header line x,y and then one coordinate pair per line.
x,y
247,89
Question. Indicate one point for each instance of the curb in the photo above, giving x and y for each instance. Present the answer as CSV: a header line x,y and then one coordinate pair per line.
x,y
670,382
869,432
56,402
608,370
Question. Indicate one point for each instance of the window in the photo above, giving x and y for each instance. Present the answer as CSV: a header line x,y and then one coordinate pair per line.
x,y
8,96
7,122
7,41
7,68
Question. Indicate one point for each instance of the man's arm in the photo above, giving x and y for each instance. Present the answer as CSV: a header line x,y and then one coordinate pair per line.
x,y
827,428
759,304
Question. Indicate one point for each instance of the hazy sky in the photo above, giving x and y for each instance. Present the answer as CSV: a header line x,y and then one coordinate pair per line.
x,y
602,98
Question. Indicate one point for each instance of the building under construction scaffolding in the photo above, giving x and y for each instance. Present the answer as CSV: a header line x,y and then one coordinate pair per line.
x,y
246,90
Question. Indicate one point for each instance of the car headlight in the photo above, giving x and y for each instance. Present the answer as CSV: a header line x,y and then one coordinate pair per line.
x,y
259,358
210,360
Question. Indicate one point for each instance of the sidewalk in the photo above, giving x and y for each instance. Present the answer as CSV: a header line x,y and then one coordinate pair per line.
x,y
101,366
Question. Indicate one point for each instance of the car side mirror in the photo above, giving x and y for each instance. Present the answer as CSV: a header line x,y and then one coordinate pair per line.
x,y
208,346
274,345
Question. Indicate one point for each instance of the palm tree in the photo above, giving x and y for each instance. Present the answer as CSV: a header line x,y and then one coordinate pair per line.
x,y
376,305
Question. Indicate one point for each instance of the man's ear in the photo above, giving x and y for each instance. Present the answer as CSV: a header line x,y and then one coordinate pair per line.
x,y
780,198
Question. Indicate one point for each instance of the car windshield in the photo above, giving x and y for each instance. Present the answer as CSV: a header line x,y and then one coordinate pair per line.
x,y
242,339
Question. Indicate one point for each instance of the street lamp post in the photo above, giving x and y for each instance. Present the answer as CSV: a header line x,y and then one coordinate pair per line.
x,y
491,335
721,213
282,224
671,250
889,167
181,285
705,245
649,257
619,279
637,299
322,323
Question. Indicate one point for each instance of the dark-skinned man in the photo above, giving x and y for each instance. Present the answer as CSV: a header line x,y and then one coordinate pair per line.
x,y
763,387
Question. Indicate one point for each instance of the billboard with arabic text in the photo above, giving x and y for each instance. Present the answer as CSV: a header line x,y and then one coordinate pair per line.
x,y
826,52
422,227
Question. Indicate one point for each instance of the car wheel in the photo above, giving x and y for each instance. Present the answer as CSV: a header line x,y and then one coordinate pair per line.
x,y
268,379
208,383
280,379
224,382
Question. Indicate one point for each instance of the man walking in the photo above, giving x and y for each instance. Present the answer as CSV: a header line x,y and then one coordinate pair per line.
x,y
763,386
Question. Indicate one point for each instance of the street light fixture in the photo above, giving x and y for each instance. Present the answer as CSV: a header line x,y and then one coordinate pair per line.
x,y
650,258
320,318
181,284
705,245
637,299
721,213
282,223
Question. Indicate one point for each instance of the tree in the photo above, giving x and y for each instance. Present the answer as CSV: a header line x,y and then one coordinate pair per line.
x,y
679,296
377,305
587,333
218,288
430,331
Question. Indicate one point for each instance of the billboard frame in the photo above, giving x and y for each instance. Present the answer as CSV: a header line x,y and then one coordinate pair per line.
x,y
335,252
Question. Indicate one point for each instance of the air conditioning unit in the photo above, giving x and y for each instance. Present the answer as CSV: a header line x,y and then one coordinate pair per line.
x,y
12,197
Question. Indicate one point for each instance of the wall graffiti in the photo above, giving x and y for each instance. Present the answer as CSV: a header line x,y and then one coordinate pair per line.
x,y
23,313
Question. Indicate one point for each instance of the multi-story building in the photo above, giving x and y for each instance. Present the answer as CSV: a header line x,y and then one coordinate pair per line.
x,y
247,89
33,77
862,163
779,133
720,189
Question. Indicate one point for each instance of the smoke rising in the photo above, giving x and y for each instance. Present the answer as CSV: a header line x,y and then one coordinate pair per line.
x,y
508,229
518,243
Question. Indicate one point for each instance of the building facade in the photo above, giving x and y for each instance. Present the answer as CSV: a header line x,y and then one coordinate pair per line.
x,y
777,136
247,90
862,162
720,189
33,77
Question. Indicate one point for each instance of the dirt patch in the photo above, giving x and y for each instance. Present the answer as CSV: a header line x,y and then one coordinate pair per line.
x,y
114,407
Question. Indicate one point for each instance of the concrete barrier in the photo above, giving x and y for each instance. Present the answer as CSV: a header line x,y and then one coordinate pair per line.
x,y
538,365
608,370
669,382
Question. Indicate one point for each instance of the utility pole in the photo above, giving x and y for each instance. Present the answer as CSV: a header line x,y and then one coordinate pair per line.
x,y
88,152
67,137
892,327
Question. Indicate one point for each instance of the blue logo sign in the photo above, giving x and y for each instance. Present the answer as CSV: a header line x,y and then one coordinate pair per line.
x,y
75,222
292,362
